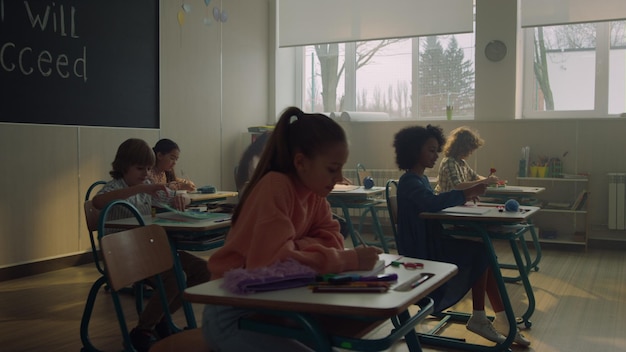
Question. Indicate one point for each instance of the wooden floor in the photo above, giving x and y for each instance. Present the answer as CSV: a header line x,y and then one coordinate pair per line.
x,y
580,306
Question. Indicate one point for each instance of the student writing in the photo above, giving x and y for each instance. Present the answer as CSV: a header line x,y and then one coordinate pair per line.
x,y
454,172
167,153
283,213
417,149
133,160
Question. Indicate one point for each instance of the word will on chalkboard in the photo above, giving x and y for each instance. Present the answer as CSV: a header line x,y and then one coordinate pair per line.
x,y
77,62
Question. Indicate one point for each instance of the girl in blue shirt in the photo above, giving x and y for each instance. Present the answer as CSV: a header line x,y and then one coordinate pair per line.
x,y
417,148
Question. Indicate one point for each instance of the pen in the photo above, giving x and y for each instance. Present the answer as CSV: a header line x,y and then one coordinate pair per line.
x,y
358,278
222,220
420,280
360,238
412,283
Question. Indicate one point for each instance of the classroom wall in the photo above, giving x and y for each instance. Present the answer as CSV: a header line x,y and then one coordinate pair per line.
x,y
592,146
218,79
206,72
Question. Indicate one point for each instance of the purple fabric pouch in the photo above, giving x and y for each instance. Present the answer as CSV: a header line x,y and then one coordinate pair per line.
x,y
278,276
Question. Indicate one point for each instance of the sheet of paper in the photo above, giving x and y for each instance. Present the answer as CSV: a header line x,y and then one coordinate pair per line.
x,y
379,267
466,209
344,188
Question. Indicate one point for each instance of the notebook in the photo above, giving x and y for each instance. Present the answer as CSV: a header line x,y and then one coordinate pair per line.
x,y
344,188
379,267
464,209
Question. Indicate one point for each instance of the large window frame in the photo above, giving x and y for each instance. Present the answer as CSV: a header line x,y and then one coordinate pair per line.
x,y
601,79
349,81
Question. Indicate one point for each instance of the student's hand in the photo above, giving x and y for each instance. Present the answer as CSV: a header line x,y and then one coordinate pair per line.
x,y
187,186
180,201
174,186
153,189
492,179
368,256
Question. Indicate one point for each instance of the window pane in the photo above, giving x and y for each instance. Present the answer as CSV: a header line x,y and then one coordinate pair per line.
x,y
324,77
446,75
617,72
383,77
564,67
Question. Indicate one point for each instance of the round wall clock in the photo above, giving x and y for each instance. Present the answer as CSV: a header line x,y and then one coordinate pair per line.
x,y
495,50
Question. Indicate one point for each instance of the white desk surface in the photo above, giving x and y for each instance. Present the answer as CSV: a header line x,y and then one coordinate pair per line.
x,y
302,299
514,190
494,214
221,221
359,191
198,197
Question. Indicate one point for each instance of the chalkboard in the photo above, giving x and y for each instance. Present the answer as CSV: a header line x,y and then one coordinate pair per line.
x,y
80,62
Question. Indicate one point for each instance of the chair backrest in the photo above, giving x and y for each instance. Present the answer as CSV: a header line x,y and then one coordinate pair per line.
x,y
361,173
391,190
91,218
133,255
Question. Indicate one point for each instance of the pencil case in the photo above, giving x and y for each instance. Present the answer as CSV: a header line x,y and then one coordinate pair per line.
x,y
207,189
278,276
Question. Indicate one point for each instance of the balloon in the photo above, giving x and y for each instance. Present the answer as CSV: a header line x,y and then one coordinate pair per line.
x,y
187,8
224,16
216,13
181,18
511,205
207,2
368,182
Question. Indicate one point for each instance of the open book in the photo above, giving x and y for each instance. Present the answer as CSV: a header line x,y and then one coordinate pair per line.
x,y
464,209
378,268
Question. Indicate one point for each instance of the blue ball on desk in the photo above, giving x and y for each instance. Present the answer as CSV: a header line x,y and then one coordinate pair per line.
x,y
511,205
368,182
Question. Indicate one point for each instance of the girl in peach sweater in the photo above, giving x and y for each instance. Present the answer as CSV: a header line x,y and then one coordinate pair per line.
x,y
283,214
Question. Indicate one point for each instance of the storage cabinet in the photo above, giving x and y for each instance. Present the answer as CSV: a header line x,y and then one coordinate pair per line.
x,y
563,217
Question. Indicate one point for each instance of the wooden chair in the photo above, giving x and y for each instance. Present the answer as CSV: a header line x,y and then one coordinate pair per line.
x,y
134,255
91,214
391,190
91,218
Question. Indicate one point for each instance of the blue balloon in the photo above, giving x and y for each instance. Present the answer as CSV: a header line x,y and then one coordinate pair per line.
x,y
511,205
368,182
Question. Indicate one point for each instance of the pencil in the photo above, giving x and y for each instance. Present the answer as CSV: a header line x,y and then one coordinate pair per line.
x,y
359,238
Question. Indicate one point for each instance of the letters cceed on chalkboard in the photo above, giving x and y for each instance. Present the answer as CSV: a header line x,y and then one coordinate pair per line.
x,y
77,62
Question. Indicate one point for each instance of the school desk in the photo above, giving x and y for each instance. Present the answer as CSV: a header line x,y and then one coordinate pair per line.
x,y
336,319
489,223
348,197
197,197
518,193
184,234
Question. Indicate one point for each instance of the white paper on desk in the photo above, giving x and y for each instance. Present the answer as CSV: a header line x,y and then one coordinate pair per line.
x,y
379,267
464,209
192,215
344,188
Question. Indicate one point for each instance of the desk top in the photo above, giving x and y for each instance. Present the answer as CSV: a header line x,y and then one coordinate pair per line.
x,y
493,214
198,197
163,219
302,299
355,191
514,190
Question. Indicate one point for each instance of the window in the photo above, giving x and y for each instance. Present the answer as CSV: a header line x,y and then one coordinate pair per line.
x,y
385,75
575,70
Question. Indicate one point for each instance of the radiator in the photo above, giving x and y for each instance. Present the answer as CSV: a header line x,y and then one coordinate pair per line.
x,y
617,201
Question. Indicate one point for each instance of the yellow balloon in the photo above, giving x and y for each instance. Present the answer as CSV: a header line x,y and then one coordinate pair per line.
x,y
181,17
